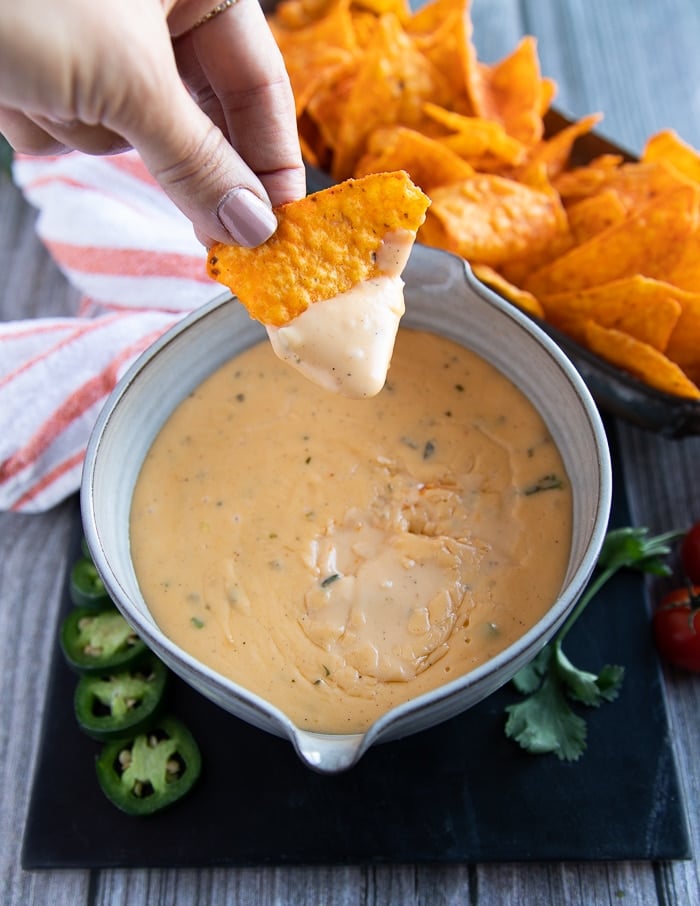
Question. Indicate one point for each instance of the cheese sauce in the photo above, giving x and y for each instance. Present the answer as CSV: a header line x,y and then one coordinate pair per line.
x,y
337,556
345,344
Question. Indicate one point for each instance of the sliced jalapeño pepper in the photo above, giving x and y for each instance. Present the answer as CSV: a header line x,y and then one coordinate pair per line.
x,y
115,704
94,641
85,585
147,772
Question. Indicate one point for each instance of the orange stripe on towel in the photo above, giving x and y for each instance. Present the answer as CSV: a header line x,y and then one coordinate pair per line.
x,y
49,478
72,408
128,262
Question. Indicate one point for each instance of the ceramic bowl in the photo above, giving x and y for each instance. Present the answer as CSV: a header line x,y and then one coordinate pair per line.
x,y
442,296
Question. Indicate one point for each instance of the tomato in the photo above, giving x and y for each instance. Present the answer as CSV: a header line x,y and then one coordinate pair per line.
x,y
690,553
676,626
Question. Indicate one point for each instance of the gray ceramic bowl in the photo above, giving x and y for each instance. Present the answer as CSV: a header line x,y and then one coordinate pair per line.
x,y
441,296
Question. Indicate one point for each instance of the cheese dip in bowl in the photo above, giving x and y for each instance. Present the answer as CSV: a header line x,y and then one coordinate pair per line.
x,y
344,572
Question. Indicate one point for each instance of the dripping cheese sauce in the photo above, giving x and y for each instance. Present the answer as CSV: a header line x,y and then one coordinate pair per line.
x,y
339,557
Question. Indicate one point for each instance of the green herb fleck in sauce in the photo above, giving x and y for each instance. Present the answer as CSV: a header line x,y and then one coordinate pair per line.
x,y
329,580
546,483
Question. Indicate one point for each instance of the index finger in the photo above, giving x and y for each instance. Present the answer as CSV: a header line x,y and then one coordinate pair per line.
x,y
241,61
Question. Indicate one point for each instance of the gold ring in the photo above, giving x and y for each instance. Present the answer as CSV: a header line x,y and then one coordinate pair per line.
x,y
213,13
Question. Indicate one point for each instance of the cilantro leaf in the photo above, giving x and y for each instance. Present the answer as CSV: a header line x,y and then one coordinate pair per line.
x,y
632,548
529,678
610,681
545,721
588,688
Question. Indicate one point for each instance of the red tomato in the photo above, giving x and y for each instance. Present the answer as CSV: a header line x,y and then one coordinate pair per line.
x,y
676,625
690,554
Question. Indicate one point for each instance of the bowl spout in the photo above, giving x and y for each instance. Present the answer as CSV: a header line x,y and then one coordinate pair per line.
x,y
329,754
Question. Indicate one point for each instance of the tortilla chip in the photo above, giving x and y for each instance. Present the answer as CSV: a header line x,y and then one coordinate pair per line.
x,y
325,104
400,8
580,182
685,272
298,13
442,31
322,44
668,147
432,233
325,244
475,138
489,220
392,83
510,92
639,183
646,309
640,360
649,242
427,160
555,152
594,214
508,290
684,343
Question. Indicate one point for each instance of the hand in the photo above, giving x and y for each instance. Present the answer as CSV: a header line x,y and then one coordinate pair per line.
x,y
210,110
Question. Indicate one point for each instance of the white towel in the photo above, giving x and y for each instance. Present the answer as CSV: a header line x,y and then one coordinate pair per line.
x,y
119,239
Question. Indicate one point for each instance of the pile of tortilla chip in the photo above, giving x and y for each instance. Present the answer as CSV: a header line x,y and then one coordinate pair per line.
x,y
608,252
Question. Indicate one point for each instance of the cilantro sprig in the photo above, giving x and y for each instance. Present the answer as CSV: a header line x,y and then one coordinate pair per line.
x,y
545,721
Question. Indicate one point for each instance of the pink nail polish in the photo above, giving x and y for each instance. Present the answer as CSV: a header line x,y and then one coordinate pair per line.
x,y
246,217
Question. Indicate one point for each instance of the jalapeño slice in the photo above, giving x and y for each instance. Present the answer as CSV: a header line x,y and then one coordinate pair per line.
x,y
94,641
147,772
85,585
115,704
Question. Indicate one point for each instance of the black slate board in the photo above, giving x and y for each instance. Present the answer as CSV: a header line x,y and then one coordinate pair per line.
x,y
460,792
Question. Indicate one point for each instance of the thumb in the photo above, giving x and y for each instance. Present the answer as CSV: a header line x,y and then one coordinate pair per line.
x,y
200,171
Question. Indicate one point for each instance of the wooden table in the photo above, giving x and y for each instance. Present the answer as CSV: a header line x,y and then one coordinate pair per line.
x,y
638,62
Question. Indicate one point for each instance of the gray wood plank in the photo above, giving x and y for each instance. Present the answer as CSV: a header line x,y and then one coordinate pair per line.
x,y
638,63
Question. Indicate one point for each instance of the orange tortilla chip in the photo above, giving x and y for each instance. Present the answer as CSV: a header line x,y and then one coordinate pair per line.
x,y
325,104
580,182
684,343
640,360
442,31
489,220
298,13
325,244
322,44
685,273
594,214
400,8
555,151
508,290
639,183
475,138
392,83
511,92
399,148
667,147
649,242
646,309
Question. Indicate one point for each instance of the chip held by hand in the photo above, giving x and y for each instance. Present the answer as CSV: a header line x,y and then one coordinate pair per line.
x,y
327,285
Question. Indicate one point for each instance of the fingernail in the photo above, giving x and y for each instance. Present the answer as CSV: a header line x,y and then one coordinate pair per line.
x,y
246,217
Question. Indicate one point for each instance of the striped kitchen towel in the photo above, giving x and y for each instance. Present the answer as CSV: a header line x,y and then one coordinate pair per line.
x,y
139,267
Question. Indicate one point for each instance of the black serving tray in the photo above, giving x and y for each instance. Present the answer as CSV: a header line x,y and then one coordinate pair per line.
x,y
459,792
